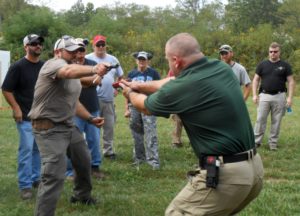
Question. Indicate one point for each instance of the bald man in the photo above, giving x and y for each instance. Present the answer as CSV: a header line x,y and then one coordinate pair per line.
x,y
207,99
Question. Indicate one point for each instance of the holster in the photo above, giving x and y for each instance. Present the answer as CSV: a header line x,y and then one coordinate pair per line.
x,y
212,168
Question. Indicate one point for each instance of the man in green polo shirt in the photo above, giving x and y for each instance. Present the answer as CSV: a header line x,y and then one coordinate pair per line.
x,y
207,98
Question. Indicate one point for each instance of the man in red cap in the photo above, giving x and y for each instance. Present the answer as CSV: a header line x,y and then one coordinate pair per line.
x,y
106,92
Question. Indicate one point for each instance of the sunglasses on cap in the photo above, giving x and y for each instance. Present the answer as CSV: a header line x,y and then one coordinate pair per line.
x,y
100,44
34,44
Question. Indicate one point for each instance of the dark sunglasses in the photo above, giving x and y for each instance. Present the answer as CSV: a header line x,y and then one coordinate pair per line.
x,y
81,49
223,53
34,44
273,51
100,45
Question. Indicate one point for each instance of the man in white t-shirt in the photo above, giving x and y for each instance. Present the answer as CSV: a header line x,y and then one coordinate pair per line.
x,y
239,70
106,92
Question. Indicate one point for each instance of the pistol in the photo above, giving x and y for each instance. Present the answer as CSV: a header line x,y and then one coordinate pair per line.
x,y
108,68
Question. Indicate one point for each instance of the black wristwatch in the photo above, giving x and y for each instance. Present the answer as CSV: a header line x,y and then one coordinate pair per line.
x,y
90,118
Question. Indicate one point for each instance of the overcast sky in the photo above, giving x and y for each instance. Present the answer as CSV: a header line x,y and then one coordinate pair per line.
x,y
58,5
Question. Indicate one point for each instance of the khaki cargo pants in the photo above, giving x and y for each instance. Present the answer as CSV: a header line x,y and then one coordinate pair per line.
x,y
239,184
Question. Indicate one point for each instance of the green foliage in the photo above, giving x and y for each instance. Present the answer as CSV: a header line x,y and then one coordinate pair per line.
x,y
289,13
294,60
9,8
244,14
40,21
248,26
79,15
132,191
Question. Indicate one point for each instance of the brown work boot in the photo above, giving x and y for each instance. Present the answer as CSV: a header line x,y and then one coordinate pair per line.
x,y
97,173
26,193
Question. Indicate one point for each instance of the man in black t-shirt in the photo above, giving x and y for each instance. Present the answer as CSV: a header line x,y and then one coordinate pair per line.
x,y
17,89
272,74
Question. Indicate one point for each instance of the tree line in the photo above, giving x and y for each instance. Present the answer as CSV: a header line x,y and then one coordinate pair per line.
x,y
249,26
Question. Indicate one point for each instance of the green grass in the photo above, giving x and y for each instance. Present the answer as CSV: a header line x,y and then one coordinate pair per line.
x,y
129,191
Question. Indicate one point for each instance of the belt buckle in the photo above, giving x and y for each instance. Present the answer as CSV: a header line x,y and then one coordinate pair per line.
x,y
250,154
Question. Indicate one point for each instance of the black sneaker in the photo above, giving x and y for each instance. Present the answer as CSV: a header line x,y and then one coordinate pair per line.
x,y
89,201
36,184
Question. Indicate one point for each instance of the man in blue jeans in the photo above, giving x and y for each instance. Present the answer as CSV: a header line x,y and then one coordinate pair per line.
x,y
17,89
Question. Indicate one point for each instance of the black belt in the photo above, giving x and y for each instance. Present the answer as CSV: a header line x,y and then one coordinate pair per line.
x,y
230,158
272,92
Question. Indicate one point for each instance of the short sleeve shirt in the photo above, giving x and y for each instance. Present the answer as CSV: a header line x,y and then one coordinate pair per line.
x,y
241,74
273,75
88,96
148,75
54,98
209,102
105,92
20,80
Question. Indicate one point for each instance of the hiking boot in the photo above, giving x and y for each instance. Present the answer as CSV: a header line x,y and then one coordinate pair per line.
x,y
26,193
97,173
89,201
273,148
155,167
36,184
111,156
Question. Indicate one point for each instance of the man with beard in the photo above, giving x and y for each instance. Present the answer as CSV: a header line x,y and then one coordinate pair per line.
x,y
54,105
226,54
89,100
17,89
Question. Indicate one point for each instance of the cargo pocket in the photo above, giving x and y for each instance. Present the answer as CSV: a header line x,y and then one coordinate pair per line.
x,y
52,167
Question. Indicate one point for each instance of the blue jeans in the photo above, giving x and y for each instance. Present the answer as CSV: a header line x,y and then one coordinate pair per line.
x,y
29,161
92,137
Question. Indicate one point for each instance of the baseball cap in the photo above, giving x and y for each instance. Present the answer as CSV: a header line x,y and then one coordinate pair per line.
x,y
142,54
56,44
32,38
82,42
66,42
225,48
98,38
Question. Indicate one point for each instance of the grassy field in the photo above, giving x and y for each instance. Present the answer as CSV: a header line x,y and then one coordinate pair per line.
x,y
129,191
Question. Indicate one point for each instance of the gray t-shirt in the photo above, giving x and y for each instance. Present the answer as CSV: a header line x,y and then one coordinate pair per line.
x,y
55,99
105,92
241,74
